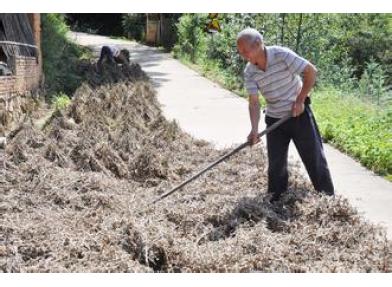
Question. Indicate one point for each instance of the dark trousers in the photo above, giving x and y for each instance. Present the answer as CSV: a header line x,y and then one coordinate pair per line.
x,y
304,132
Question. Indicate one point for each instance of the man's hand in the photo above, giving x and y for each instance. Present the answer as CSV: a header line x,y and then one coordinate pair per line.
x,y
297,108
253,138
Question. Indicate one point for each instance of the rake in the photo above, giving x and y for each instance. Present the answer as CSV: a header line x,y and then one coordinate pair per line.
x,y
222,158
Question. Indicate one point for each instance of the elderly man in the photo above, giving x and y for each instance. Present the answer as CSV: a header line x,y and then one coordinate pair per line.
x,y
274,71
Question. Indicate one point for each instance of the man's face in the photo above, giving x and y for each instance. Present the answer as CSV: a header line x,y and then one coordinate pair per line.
x,y
248,51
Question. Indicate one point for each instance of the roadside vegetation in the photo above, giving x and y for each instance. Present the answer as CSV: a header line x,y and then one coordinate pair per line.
x,y
60,57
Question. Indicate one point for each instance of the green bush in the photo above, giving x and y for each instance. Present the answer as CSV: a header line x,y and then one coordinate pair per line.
x,y
216,54
60,56
191,38
134,25
340,45
60,101
372,85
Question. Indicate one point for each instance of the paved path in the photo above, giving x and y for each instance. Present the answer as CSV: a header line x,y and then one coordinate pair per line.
x,y
209,112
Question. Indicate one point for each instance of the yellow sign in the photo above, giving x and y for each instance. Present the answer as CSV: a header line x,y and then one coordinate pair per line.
x,y
213,23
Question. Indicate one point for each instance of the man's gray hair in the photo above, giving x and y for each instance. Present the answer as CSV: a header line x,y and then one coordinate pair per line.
x,y
250,35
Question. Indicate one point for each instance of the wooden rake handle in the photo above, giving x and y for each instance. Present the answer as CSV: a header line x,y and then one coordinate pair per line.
x,y
222,158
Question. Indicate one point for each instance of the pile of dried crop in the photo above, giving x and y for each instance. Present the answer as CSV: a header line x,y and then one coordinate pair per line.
x,y
75,198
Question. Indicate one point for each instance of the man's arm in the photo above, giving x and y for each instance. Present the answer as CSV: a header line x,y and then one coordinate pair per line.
x,y
254,113
309,79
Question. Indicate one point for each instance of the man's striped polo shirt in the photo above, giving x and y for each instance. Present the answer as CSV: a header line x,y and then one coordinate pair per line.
x,y
280,83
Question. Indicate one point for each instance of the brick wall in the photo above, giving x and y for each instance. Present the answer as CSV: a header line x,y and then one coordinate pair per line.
x,y
16,90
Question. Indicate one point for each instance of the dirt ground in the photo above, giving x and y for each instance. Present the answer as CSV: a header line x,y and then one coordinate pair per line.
x,y
75,197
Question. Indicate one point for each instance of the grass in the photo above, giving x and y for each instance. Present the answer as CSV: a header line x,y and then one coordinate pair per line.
x,y
359,129
60,56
